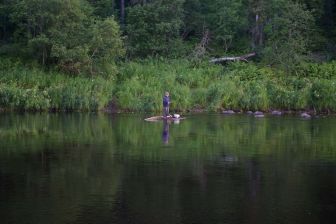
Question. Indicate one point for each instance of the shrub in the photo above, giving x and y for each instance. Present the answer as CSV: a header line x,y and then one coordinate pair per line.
x,y
323,94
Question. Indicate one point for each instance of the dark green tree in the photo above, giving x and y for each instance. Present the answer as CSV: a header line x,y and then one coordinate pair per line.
x,y
225,21
288,36
64,33
103,8
154,28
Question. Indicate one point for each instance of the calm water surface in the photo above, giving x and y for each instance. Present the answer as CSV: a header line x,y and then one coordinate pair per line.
x,y
209,169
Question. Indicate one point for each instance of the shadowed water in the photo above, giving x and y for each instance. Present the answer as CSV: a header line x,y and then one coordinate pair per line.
x,y
91,168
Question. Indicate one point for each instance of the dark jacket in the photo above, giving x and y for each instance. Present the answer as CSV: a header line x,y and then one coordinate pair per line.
x,y
166,101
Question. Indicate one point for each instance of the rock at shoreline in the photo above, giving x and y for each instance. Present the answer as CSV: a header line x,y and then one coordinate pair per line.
x,y
228,112
257,113
197,111
259,116
306,115
276,112
249,112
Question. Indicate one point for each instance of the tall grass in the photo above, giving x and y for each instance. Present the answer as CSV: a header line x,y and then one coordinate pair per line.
x,y
139,86
33,89
239,86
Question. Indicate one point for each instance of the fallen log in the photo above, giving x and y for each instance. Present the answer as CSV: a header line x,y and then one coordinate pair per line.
x,y
240,58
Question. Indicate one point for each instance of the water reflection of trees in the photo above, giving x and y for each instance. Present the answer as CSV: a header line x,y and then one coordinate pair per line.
x,y
52,163
218,168
199,137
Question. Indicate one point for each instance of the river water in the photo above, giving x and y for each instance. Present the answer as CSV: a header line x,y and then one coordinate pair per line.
x,y
208,169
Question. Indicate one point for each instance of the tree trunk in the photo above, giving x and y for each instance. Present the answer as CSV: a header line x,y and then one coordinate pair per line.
x,y
329,14
122,13
257,14
239,58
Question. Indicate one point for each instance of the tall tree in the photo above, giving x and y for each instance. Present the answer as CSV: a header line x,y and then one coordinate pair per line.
x,y
223,21
226,19
154,28
65,33
261,13
122,12
329,16
103,8
288,36
5,24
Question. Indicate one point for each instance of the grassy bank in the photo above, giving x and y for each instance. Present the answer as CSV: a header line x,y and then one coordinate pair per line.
x,y
138,86
239,86
32,89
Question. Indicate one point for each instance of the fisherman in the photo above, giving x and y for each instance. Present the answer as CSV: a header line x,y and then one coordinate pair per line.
x,y
166,102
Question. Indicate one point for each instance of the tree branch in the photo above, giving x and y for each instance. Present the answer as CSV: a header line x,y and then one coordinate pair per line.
x,y
239,58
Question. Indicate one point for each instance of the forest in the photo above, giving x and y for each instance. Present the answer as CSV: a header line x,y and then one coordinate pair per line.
x,y
76,55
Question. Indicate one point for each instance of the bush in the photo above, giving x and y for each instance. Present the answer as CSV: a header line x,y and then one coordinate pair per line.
x,y
324,70
323,94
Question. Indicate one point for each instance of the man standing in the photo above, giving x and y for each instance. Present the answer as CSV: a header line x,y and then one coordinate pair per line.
x,y
166,102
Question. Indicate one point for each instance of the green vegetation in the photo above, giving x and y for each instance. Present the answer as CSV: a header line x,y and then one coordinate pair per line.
x,y
61,33
90,54
32,89
138,86
237,86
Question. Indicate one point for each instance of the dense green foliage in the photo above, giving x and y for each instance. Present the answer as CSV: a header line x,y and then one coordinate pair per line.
x,y
289,36
238,86
128,52
153,29
64,33
35,90
139,86
81,36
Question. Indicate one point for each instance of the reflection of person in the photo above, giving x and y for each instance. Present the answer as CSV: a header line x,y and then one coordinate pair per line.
x,y
166,102
165,132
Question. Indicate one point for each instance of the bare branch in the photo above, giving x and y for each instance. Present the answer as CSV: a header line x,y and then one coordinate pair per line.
x,y
239,58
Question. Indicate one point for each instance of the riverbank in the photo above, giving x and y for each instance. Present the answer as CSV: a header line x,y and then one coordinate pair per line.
x,y
138,87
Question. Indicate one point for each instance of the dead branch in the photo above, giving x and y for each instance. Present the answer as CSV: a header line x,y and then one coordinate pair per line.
x,y
239,58
200,49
